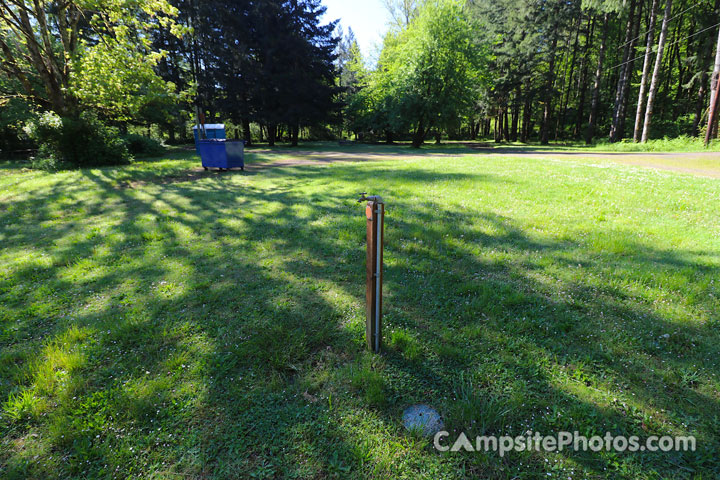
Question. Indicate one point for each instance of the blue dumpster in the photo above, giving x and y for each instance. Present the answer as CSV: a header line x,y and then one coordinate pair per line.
x,y
212,130
222,154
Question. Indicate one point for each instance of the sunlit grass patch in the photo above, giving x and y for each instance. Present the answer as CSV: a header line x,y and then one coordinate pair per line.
x,y
157,321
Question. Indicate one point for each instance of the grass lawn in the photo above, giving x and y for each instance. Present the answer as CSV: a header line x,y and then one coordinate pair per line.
x,y
681,144
155,324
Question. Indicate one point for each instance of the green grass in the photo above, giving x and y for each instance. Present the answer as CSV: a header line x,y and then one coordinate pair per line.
x,y
157,323
678,144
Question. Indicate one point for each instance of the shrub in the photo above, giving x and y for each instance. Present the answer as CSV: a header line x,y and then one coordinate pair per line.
x,y
78,141
141,145
14,113
321,133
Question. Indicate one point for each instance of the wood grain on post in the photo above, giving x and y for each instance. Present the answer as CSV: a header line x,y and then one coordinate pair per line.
x,y
373,266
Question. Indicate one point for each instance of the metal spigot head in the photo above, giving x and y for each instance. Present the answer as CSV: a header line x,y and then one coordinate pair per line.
x,y
371,198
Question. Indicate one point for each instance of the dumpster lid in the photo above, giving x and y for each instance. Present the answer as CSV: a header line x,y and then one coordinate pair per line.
x,y
212,126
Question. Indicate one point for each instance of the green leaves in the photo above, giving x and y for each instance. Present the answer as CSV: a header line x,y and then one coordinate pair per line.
x,y
80,54
429,73
118,80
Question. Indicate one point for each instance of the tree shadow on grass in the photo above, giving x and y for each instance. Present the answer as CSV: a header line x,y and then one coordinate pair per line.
x,y
214,325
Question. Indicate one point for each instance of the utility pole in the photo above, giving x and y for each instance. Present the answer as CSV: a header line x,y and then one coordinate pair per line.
x,y
714,95
375,214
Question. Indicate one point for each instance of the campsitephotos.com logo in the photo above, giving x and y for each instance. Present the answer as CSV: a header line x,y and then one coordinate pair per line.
x,y
534,441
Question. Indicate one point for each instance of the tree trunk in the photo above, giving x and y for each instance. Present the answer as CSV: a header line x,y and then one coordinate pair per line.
x,y
246,132
499,133
673,52
388,137
506,125
582,81
615,131
714,96
699,102
656,72
628,75
419,135
646,70
271,134
564,108
596,87
295,134
682,69
527,115
545,129
31,24
515,115
704,56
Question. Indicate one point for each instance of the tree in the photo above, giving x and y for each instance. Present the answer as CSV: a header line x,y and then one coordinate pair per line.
x,y
67,53
434,67
616,129
355,80
598,79
645,71
656,72
296,54
270,62
349,58
401,11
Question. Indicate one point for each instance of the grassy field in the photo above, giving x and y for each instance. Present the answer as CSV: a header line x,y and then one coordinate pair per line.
x,y
157,322
679,144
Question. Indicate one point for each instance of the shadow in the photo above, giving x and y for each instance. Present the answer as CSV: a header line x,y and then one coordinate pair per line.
x,y
212,327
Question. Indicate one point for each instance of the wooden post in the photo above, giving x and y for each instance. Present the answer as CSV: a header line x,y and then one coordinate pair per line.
x,y
375,214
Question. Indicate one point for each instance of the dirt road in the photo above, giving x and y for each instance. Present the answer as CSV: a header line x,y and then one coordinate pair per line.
x,y
706,164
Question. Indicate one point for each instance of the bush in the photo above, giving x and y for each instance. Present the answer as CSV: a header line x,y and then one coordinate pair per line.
x,y
14,113
80,141
321,133
143,146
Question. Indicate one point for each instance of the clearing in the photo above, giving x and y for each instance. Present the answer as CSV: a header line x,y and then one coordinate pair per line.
x,y
159,322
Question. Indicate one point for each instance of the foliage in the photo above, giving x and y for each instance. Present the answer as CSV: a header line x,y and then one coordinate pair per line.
x,y
140,145
80,141
428,74
285,58
359,88
402,12
14,113
557,64
120,82
68,56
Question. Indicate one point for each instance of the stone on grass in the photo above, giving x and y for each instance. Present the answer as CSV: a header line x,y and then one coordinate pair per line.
x,y
423,419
